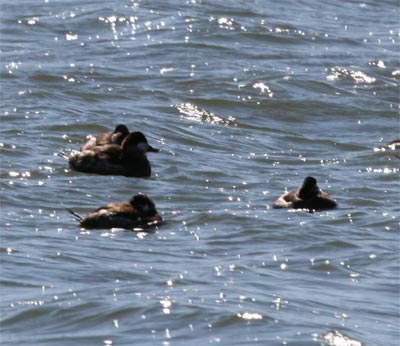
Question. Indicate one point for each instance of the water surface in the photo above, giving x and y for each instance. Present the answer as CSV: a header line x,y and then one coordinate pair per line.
x,y
245,99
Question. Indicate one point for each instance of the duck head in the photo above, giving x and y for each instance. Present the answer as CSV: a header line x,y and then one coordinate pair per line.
x,y
309,188
146,208
121,128
120,132
137,141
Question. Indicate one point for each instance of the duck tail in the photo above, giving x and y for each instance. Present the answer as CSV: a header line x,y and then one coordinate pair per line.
x,y
77,216
62,153
66,153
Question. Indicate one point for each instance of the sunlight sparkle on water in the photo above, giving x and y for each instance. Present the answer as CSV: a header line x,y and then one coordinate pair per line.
x,y
250,316
337,339
166,306
357,76
263,88
192,112
71,37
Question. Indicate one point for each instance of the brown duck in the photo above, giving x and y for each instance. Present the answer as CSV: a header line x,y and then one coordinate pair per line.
x,y
140,211
112,137
307,196
128,159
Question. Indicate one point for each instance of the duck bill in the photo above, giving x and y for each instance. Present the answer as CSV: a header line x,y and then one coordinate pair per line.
x,y
153,150
154,219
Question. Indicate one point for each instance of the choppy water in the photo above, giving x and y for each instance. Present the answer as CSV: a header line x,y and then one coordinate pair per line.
x,y
245,99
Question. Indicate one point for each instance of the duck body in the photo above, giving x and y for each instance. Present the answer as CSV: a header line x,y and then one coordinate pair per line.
x,y
112,137
307,196
140,211
90,161
128,159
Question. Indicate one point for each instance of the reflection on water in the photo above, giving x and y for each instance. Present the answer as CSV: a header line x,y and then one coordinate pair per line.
x,y
194,113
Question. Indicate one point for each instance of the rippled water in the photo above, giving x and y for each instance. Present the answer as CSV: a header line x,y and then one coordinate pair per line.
x,y
245,99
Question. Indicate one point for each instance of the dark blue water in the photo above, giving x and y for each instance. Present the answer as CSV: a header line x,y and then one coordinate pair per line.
x,y
245,99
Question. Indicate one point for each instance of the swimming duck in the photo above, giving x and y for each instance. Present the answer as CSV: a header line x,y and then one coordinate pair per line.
x,y
128,159
114,137
307,196
139,211
393,145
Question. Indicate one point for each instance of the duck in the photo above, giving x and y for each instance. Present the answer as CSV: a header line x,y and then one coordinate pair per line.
x,y
395,142
393,145
139,211
307,196
128,159
112,137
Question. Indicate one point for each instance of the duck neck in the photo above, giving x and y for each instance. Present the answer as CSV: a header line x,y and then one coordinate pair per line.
x,y
307,192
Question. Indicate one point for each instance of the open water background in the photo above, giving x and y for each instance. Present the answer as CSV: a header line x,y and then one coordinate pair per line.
x,y
245,99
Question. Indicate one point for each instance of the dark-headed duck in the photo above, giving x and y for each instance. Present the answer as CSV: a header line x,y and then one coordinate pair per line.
x,y
140,211
307,196
115,137
393,145
128,159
